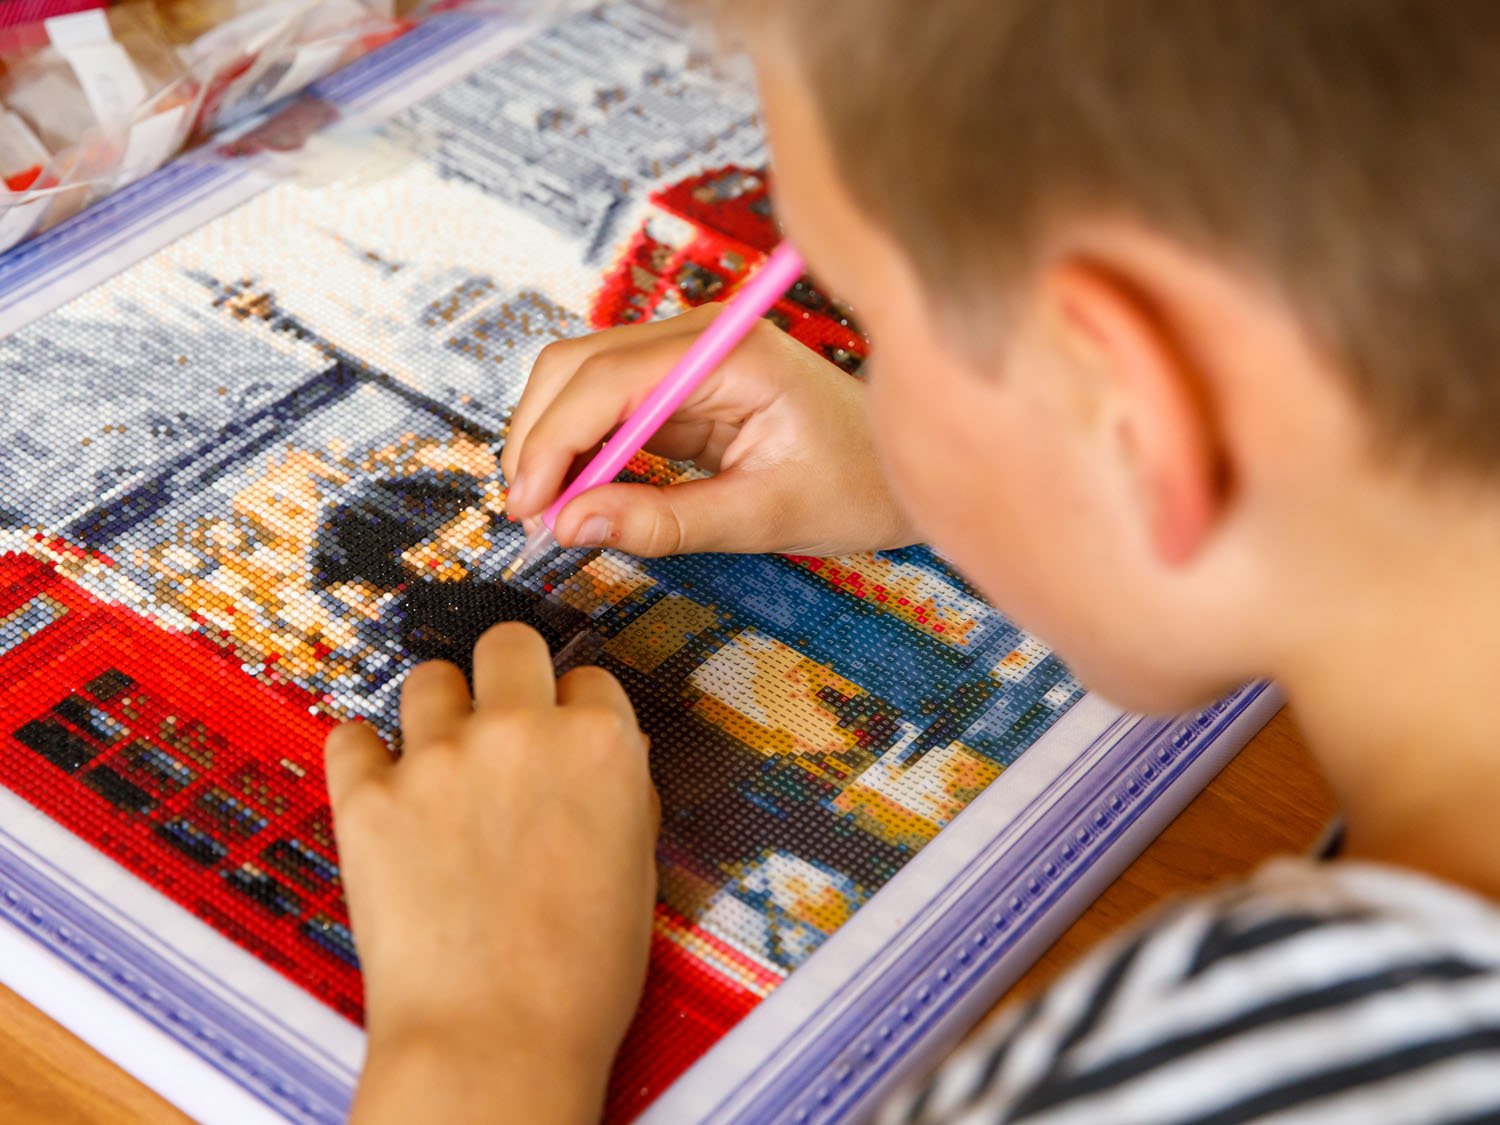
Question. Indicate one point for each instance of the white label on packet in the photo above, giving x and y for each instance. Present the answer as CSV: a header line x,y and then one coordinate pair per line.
x,y
81,29
17,221
109,79
151,142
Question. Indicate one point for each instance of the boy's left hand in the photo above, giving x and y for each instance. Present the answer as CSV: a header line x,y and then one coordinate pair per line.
x,y
500,879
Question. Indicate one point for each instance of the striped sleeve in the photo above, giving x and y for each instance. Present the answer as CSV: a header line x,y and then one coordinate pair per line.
x,y
1282,1001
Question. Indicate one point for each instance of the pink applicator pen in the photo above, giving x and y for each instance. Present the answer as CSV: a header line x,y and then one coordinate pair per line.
x,y
755,297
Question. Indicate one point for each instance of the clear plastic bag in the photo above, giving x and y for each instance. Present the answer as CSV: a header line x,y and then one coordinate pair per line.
x,y
255,53
96,68
310,141
106,100
92,101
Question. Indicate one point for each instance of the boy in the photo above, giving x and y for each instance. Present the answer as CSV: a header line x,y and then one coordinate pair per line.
x,y
1182,332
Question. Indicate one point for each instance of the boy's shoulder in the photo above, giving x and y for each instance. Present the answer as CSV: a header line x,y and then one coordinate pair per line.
x,y
1343,990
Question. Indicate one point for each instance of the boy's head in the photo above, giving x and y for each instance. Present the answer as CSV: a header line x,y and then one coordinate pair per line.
x,y
1180,309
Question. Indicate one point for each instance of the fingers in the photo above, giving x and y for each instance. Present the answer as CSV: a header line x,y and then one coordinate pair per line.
x,y
434,704
593,687
731,512
353,755
590,686
602,392
559,362
512,668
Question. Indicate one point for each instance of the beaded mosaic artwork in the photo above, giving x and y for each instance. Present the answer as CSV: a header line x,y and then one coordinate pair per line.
x,y
250,481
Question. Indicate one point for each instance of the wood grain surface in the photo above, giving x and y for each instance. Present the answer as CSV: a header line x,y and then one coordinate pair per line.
x,y
1269,800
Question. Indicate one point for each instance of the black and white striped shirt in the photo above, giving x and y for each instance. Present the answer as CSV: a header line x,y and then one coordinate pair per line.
x,y
1327,992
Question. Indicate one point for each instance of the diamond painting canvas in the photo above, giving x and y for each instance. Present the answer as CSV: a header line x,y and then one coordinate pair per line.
x,y
251,478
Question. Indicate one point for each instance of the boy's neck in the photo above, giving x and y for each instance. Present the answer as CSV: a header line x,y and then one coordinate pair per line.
x,y
1401,702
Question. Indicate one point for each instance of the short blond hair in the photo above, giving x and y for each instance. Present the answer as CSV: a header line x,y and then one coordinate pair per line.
x,y
1347,150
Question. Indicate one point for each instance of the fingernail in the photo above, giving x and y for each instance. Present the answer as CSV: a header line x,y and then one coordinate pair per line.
x,y
516,494
592,532
530,525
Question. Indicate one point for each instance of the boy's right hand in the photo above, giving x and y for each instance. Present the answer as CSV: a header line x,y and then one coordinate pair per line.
x,y
783,431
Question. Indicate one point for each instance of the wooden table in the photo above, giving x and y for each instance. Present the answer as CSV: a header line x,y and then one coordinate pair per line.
x,y
1270,799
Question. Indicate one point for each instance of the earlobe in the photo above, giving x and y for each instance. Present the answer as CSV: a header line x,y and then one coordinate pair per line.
x,y
1166,432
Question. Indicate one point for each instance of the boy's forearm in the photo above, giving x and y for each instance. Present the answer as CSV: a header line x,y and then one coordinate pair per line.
x,y
424,1079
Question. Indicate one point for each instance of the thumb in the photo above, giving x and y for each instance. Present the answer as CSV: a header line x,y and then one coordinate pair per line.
x,y
727,512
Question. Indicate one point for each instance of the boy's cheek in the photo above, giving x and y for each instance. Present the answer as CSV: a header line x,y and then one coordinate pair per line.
x,y
981,481
951,468
1024,507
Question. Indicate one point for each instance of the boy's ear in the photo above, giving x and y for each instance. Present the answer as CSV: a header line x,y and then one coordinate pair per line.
x,y
1157,402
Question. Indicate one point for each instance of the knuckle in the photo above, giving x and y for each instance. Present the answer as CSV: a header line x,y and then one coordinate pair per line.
x,y
434,771
600,367
764,332
664,533
766,338
596,725
507,729
594,717
555,355
588,674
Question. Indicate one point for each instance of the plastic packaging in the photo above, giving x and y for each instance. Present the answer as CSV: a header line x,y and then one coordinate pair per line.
x,y
97,68
312,143
95,99
107,99
247,54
